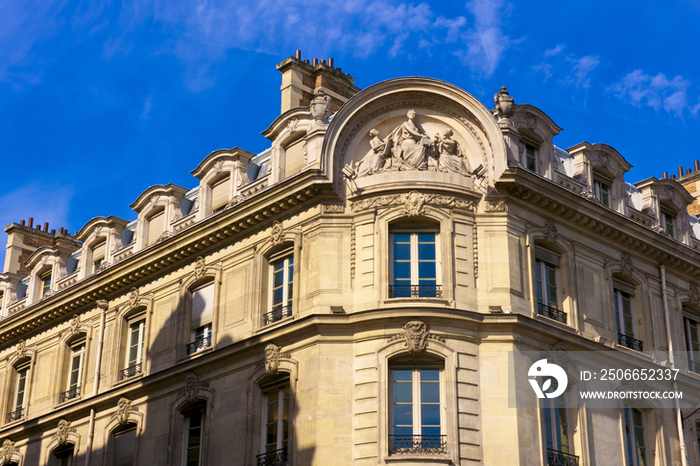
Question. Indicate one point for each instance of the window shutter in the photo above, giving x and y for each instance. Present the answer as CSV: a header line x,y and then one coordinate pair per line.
x,y
202,305
547,256
156,225
124,447
627,288
98,252
219,194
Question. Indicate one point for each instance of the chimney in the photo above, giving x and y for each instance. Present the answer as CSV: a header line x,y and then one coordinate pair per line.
x,y
301,80
23,240
696,164
673,177
688,171
664,175
680,171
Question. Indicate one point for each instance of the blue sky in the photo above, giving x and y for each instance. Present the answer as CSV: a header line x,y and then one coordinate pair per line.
x,y
101,99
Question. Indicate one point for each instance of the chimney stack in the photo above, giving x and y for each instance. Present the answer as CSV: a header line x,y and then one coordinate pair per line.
x,y
664,175
680,171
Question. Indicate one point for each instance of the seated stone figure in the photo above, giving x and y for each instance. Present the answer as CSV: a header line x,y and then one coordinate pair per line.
x,y
373,161
450,158
410,145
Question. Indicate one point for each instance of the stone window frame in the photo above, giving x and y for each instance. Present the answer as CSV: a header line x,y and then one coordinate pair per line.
x,y
194,394
617,280
15,363
650,423
401,227
280,381
66,344
123,320
210,275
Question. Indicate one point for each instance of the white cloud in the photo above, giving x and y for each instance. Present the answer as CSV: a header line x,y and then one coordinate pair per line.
x,y
555,51
567,69
582,68
658,92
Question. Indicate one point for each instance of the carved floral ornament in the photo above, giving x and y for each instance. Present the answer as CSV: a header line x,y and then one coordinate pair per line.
x,y
416,335
8,448
21,351
550,231
123,410
413,202
272,358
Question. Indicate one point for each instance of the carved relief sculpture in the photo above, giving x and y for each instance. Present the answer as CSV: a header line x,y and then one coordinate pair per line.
x,y
374,161
123,408
450,158
133,297
21,351
61,435
199,268
276,232
413,203
550,231
626,264
409,145
694,293
272,358
8,448
192,384
75,324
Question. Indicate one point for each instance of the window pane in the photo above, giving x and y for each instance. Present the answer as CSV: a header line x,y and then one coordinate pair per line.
x,y
403,392
426,251
402,251
426,375
426,270
430,392
403,415
430,415
402,271
402,375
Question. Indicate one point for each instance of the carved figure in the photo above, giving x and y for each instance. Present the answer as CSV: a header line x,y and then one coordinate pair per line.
x,y
75,324
191,386
21,349
410,145
450,158
272,358
199,268
123,408
61,434
694,293
416,333
276,232
550,231
626,264
8,447
133,297
373,161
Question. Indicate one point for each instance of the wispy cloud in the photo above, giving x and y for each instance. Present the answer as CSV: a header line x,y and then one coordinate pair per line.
x,y
147,106
567,69
659,92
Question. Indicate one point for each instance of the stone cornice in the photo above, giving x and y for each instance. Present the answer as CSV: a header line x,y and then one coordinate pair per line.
x,y
569,207
176,252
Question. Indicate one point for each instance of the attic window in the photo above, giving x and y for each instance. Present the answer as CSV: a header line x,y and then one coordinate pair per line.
x,y
601,190
667,221
219,194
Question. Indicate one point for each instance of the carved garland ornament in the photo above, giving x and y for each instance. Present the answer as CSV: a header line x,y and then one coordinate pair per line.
x,y
416,335
412,203
8,448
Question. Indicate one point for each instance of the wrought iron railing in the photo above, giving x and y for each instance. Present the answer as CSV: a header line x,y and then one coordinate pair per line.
x,y
551,312
559,458
15,415
694,366
273,458
70,394
630,342
415,291
277,313
198,345
130,371
417,444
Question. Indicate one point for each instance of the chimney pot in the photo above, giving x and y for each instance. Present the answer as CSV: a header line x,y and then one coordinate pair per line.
x,y
323,62
673,177
688,171
314,61
664,175
38,226
46,227
53,231
680,171
21,222
696,164
306,61
330,62
297,54
31,222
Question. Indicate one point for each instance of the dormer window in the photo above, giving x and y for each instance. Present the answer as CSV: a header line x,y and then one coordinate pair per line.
x,y
530,158
601,190
219,194
98,255
156,226
45,283
667,221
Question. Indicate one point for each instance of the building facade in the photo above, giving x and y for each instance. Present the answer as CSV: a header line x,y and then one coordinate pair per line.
x,y
354,294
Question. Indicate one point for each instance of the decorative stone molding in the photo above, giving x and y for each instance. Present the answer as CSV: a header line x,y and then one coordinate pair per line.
x,y
353,251
272,358
276,232
530,121
61,435
164,236
133,297
626,264
218,166
416,335
694,292
192,384
659,229
105,265
590,196
21,351
504,104
50,293
413,204
292,125
475,251
75,325
320,108
199,268
400,199
123,410
333,209
8,448
495,206
235,200
550,231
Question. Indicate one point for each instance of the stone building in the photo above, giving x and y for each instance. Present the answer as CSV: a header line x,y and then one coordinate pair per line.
x,y
353,295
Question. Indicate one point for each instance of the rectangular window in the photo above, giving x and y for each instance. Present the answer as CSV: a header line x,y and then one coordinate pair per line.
x,y
134,354
45,283
156,227
602,192
98,255
415,413
124,447
624,318
668,224
282,289
76,371
276,426
634,437
415,266
202,314
219,195
692,330
62,456
546,285
195,423
556,430
530,158
20,394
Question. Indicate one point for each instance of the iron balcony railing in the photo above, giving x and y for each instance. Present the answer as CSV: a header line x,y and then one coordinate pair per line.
x,y
629,342
551,312
415,291
198,345
559,458
694,366
130,371
277,313
273,458
417,444
15,415
70,394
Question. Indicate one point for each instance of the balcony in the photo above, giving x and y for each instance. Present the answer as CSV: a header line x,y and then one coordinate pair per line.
x,y
15,415
199,345
551,313
559,458
277,313
630,342
70,394
415,291
273,458
130,371
417,444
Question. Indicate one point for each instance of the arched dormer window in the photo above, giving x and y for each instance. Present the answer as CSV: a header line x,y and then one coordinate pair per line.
x,y
98,252
155,226
220,188
414,257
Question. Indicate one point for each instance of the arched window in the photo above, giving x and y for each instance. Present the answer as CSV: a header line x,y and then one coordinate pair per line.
x,y
194,417
416,398
99,251
62,455
414,260
45,282
19,391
